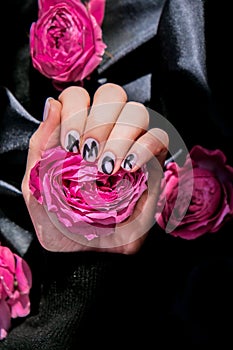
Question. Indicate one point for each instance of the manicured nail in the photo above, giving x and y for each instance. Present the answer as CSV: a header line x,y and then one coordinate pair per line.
x,y
129,162
46,108
90,150
72,141
107,163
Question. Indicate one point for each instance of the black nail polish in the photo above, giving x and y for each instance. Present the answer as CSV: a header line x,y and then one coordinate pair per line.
x,y
108,163
90,150
72,141
129,162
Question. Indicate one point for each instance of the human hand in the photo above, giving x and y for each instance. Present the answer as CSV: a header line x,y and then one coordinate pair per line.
x,y
117,127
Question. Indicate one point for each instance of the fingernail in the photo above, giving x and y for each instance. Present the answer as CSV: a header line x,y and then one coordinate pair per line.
x,y
46,108
107,163
72,141
90,150
129,162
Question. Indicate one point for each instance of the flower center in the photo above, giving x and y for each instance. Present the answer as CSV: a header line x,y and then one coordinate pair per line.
x,y
59,27
206,194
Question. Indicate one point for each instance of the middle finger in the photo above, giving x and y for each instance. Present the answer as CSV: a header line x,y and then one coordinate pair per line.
x,y
108,102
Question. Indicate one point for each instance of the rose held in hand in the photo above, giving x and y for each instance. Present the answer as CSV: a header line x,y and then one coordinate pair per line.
x,y
85,201
15,285
66,41
210,179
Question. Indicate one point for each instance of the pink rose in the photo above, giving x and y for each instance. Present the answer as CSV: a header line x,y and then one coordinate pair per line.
x,y
15,285
66,41
210,181
85,201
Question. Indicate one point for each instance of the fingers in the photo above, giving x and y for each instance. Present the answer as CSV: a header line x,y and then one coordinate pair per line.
x,y
75,103
114,131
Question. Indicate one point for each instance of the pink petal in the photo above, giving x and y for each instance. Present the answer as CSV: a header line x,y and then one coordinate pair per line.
x,y
5,319
6,283
44,5
7,259
97,8
20,307
23,275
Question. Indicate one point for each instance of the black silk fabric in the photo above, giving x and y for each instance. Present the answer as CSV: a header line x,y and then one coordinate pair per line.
x,y
172,56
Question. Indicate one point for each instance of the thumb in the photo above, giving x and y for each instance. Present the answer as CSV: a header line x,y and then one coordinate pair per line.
x,y
47,135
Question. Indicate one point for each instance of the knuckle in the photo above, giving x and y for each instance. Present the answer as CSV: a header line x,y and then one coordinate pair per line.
x,y
110,91
139,113
161,137
36,141
73,91
138,107
54,106
33,141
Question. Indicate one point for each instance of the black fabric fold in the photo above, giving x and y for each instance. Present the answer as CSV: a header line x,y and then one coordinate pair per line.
x,y
16,124
16,128
124,19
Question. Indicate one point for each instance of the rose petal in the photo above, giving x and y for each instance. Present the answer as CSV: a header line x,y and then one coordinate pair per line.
x,y
7,259
23,275
96,9
20,306
5,319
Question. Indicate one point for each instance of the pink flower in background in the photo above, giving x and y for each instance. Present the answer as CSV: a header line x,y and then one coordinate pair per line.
x,y
211,181
66,41
84,200
15,285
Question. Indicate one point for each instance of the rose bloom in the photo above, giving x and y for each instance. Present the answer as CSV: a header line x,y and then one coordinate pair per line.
x,y
210,181
15,285
84,200
66,41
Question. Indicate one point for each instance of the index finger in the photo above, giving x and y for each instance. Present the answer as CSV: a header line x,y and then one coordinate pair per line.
x,y
75,104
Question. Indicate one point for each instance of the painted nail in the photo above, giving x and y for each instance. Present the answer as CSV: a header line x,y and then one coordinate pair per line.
x,y
107,163
90,150
129,162
72,141
46,108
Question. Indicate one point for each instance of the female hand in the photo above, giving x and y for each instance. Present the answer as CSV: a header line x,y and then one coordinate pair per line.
x,y
111,131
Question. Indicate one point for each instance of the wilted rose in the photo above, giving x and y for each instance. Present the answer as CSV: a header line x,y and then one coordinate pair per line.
x,y
15,285
210,179
84,200
66,41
